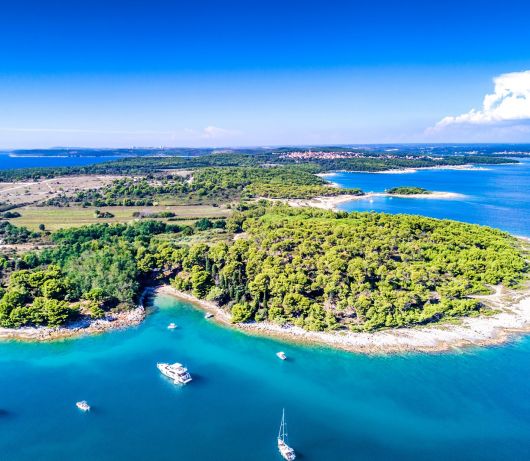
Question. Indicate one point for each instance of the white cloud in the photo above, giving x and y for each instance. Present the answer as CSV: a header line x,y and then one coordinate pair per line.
x,y
213,132
508,105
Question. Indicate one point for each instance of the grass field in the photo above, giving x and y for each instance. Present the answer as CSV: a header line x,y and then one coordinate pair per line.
x,y
57,218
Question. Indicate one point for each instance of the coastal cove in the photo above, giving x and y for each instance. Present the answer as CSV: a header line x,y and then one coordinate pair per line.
x,y
377,405
494,195
510,320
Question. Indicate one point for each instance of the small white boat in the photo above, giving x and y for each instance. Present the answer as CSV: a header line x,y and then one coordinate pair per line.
x,y
209,315
281,355
176,371
83,405
172,326
285,450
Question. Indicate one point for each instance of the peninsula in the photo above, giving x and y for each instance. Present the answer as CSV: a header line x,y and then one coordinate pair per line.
x,y
269,267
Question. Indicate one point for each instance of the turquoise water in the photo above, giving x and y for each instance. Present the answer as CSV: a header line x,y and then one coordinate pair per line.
x,y
473,405
497,196
467,405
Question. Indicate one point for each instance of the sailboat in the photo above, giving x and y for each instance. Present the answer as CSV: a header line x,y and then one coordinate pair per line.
x,y
285,450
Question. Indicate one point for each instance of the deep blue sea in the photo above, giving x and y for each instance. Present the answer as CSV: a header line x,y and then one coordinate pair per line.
x,y
496,196
8,162
466,405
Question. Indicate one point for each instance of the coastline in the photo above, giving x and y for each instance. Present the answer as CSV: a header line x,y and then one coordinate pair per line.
x,y
511,319
81,327
332,202
467,167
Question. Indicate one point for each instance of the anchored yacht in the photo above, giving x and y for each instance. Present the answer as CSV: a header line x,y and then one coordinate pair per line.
x,y
172,326
281,355
285,450
83,405
176,371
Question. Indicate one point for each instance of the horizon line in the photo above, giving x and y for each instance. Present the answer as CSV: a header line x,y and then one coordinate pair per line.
x,y
7,150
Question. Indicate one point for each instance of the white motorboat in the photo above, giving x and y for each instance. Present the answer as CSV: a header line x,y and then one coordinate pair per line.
x,y
208,315
172,326
176,371
281,355
83,405
285,450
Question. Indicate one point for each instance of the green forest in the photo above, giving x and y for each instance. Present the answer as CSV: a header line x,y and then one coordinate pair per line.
x,y
85,271
210,185
363,271
408,190
317,269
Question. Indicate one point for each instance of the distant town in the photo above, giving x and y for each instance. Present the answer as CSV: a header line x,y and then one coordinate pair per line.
x,y
333,155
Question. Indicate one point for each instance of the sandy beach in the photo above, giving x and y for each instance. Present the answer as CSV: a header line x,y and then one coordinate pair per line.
x,y
512,317
332,202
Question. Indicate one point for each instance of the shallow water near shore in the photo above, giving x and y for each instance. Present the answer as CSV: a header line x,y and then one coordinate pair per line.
x,y
469,405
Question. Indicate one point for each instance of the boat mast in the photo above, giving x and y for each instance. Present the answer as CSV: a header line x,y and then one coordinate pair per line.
x,y
282,435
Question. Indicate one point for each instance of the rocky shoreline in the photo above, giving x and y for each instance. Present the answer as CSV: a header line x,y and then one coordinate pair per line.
x,y
80,327
512,317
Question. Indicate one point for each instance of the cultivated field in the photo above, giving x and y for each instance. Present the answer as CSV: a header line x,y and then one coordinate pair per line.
x,y
56,218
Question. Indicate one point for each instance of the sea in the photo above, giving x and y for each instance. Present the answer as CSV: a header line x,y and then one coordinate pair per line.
x,y
9,161
469,404
496,196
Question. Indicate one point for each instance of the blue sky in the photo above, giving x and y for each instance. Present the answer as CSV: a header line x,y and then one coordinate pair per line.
x,y
234,73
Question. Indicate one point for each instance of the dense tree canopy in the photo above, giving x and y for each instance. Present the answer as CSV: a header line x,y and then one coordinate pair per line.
x,y
325,270
270,182
91,269
408,190
313,268
10,234
221,184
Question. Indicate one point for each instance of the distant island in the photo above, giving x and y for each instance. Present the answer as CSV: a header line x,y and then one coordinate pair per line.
x,y
408,190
